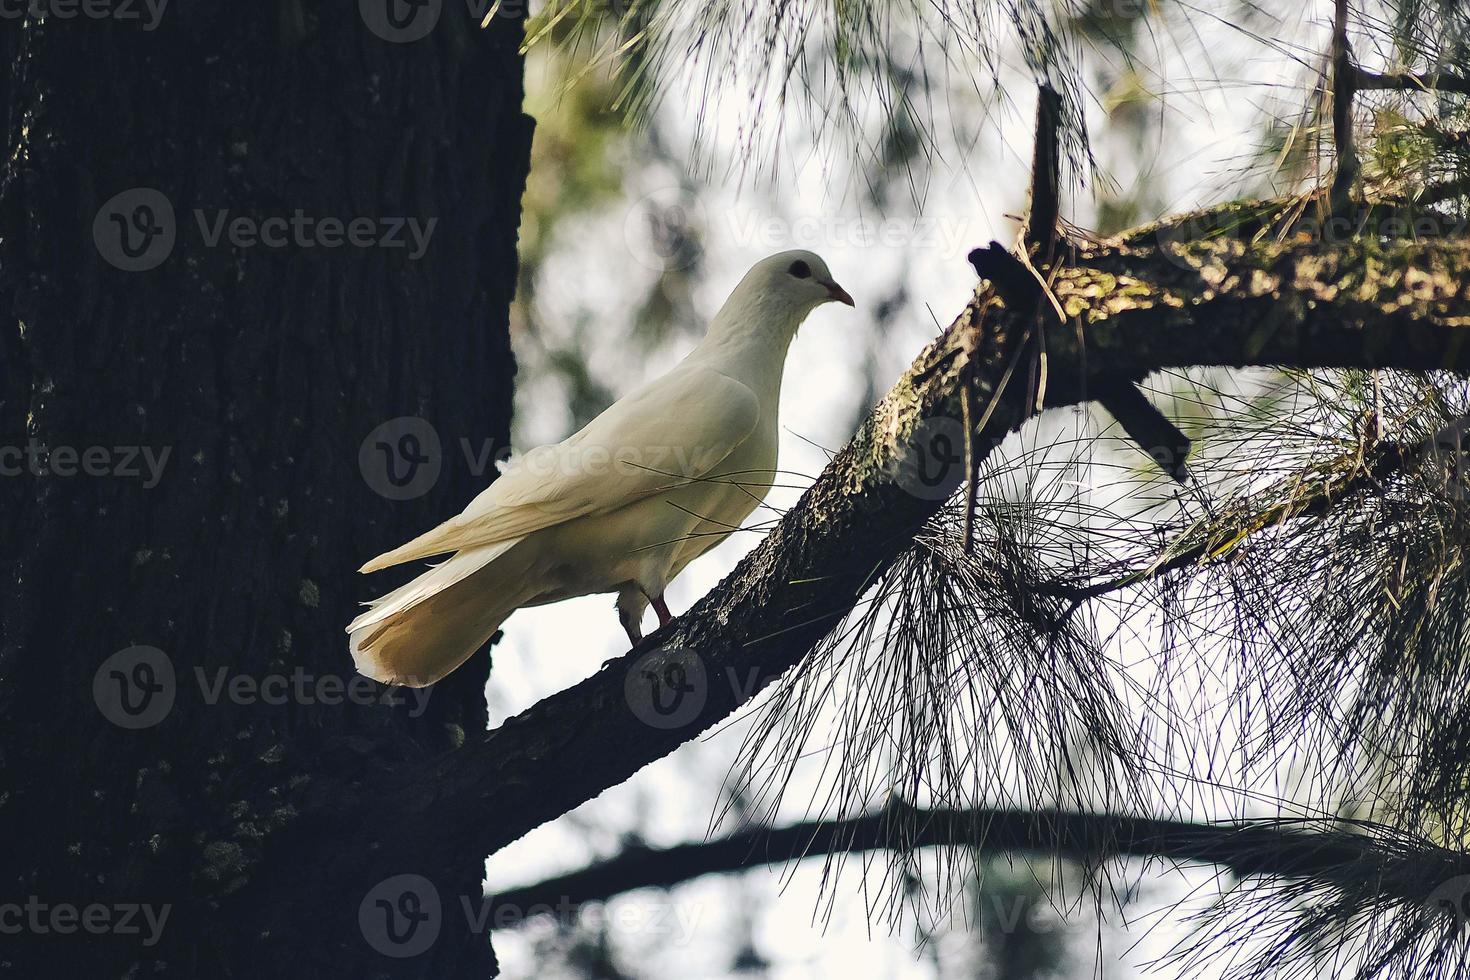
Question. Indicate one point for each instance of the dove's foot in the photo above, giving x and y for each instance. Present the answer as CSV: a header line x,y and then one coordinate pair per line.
x,y
631,626
630,605
662,608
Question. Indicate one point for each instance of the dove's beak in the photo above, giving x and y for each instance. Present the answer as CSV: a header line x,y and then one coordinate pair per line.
x,y
836,292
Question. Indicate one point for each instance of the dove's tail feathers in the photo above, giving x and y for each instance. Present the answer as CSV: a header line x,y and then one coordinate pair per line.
x,y
438,578
452,535
421,631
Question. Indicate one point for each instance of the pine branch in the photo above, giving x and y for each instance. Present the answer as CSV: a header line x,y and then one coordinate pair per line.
x,y
1281,219
1013,279
1148,427
1046,178
1269,848
1430,82
1294,497
1344,88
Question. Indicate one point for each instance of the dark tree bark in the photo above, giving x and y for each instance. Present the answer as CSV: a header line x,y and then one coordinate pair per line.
x,y
260,370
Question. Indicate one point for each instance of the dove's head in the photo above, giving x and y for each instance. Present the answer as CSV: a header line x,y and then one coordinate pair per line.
x,y
798,278
774,298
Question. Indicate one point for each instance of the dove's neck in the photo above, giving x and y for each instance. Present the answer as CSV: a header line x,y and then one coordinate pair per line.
x,y
748,340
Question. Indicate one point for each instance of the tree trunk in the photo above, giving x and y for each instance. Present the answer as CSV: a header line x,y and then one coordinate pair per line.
x,y
176,681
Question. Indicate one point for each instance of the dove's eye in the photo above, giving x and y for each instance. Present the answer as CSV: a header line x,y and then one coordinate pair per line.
x,y
801,270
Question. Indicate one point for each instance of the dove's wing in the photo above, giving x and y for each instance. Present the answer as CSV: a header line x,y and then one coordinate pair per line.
x,y
668,433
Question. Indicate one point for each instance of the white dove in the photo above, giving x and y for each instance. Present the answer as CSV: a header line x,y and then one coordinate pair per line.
x,y
659,478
